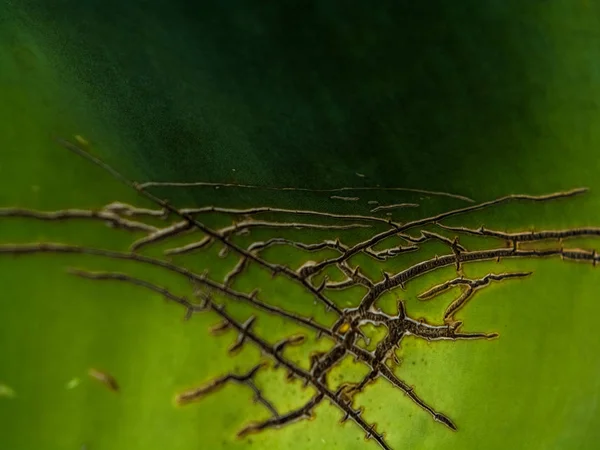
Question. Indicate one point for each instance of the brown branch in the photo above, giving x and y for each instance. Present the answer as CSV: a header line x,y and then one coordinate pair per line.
x,y
274,352
376,362
124,209
227,231
246,379
346,199
384,255
274,268
161,235
437,218
440,288
360,354
340,285
188,248
527,236
442,332
401,278
237,270
296,339
387,373
429,235
24,249
395,206
190,307
273,188
106,216
305,412
354,275
262,245
472,287
398,327
268,209
306,376
245,333
241,339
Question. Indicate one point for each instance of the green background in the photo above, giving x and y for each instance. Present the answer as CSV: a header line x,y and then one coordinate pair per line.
x,y
478,98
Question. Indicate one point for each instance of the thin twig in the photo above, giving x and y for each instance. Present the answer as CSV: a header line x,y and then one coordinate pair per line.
x,y
68,214
150,184
274,268
437,218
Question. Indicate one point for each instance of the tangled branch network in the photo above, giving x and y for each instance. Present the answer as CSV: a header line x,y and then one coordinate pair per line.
x,y
346,330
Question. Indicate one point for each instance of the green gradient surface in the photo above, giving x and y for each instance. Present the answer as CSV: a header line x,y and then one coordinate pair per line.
x,y
484,99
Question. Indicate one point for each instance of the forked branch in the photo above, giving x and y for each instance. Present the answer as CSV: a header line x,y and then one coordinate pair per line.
x,y
350,322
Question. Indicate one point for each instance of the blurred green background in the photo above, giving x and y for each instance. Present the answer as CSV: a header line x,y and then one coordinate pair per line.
x,y
478,98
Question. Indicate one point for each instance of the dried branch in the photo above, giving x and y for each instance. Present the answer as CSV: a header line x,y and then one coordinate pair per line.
x,y
228,231
305,412
109,217
429,235
274,268
347,329
472,287
384,255
125,209
150,184
241,339
302,374
353,275
437,218
262,245
237,270
395,206
527,236
190,308
269,209
346,199
440,288
401,278
161,235
23,249
246,379
275,354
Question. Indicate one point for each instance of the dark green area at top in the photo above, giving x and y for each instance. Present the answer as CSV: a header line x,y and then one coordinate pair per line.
x,y
306,93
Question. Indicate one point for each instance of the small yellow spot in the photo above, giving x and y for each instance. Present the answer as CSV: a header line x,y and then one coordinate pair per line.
x,y
7,391
73,383
344,328
81,140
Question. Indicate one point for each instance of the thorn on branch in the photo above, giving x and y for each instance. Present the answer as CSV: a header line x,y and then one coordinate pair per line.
x,y
198,393
297,339
220,328
241,339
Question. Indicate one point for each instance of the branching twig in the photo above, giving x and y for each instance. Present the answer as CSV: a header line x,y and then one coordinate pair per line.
x,y
104,215
440,288
305,412
274,268
150,184
401,278
437,218
527,236
395,206
23,249
247,379
269,209
348,327
471,287
228,231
